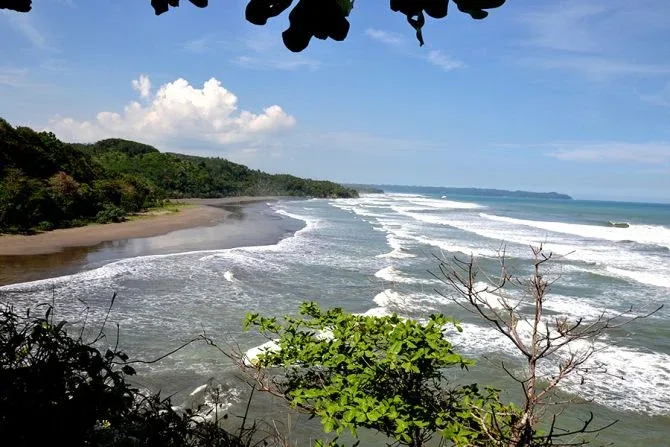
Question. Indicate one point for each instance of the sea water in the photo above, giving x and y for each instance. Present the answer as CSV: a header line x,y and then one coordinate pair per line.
x,y
378,254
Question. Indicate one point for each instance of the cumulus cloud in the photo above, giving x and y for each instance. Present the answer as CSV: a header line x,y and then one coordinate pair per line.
x,y
142,85
179,114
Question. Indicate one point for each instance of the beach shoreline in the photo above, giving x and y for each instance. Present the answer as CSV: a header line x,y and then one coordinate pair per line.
x,y
205,212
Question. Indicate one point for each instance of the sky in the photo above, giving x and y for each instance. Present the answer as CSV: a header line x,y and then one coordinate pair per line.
x,y
562,95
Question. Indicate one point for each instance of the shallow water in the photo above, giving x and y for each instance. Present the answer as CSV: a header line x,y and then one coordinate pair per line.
x,y
375,254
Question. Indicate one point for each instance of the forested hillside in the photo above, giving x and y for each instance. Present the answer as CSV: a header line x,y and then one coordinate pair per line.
x,y
179,175
46,183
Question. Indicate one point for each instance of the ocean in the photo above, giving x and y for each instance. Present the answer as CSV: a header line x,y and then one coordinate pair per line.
x,y
379,254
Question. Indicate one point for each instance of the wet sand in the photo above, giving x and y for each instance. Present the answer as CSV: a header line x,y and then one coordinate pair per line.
x,y
206,213
228,224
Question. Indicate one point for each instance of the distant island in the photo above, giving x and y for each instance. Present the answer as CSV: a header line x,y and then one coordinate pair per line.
x,y
461,191
46,183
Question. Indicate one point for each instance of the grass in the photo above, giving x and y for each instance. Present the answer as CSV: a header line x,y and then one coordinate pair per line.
x,y
169,207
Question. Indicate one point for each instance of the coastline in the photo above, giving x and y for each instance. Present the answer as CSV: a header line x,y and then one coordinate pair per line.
x,y
206,212
226,223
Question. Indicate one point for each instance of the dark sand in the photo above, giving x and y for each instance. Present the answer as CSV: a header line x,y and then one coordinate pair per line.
x,y
226,225
90,235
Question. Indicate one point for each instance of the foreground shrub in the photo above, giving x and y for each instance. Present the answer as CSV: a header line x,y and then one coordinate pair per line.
x,y
387,374
54,387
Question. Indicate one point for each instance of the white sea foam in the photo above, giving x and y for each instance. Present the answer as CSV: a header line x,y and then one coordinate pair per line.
x,y
210,401
634,380
124,267
390,298
393,275
229,276
398,249
449,246
644,234
574,307
310,223
377,312
405,303
153,265
363,212
251,355
645,277
495,300
421,217
445,204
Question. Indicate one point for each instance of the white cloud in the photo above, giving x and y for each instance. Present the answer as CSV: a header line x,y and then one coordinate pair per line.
x,y
265,50
598,38
614,152
179,114
142,85
23,23
361,142
385,37
288,62
598,67
200,45
560,25
397,41
446,63
262,50
13,77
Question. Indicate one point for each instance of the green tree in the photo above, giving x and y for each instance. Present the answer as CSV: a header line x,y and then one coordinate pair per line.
x,y
24,201
65,193
382,373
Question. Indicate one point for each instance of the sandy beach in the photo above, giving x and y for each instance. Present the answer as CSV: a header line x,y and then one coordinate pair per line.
x,y
206,212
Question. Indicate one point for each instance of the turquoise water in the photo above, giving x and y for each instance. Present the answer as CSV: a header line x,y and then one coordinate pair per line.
x,y
375,255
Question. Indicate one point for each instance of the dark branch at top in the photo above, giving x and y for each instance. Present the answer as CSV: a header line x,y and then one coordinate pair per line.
x,y
321,18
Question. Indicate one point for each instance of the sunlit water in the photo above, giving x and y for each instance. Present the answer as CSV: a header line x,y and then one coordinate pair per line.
x,y
376,254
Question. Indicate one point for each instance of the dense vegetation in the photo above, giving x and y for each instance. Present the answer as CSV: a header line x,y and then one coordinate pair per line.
x,y
385,374
46,183
179,175
81,396
398,379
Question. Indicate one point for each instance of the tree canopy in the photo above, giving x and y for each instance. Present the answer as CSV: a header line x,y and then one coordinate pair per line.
x,y
321,18
46,183
387,374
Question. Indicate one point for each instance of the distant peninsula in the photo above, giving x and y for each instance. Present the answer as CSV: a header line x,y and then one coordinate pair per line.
x,y
461,191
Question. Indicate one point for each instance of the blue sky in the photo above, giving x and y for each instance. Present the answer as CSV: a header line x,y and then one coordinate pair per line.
x,y
562,95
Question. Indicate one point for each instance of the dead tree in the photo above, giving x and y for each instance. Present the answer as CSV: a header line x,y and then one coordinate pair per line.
x,y
569,343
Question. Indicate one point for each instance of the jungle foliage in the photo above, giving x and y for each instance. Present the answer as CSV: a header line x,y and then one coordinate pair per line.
x,y
387,374
58,387
47,184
